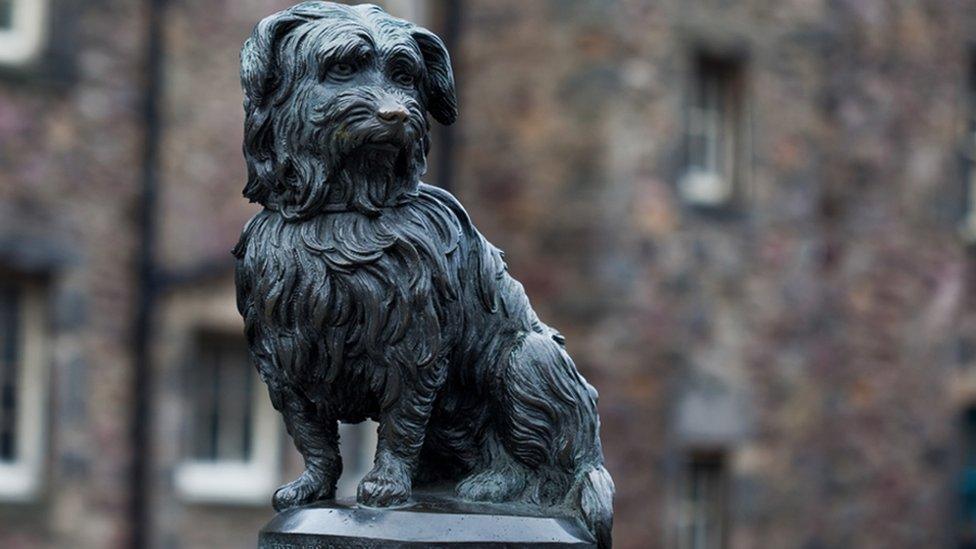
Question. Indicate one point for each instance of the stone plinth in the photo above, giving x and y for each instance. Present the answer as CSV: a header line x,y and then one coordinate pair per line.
x,y
429,520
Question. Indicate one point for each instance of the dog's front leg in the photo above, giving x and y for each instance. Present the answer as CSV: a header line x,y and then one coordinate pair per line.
x,y
403,424
317,440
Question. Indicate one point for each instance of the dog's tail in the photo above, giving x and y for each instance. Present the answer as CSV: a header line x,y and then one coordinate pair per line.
x,y
596,504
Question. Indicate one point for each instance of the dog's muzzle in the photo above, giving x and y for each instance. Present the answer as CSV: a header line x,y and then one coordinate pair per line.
x,y
371,119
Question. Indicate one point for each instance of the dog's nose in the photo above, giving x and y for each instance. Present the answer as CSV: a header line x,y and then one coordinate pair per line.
x,y
392,114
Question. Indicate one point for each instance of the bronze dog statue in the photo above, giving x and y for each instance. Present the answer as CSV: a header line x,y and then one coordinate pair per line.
x,y
368,294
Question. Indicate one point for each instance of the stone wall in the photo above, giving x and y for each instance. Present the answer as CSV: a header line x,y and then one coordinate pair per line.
x,y
69,149
808,328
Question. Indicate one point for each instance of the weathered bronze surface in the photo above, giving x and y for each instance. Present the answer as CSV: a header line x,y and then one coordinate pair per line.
x,y
368,294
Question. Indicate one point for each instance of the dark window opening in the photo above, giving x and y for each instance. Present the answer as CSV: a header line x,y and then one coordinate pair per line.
x,y
704,502
221,387
10,299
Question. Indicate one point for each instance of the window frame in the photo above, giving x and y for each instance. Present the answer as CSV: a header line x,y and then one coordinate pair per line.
x,y
233,481
22,478
719,81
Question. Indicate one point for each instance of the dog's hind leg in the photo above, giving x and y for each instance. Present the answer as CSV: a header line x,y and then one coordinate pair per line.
x,y
549,423
317,440
547,415
502,478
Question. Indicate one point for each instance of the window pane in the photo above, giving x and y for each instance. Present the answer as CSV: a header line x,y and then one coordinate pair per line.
x,y
221,389
9,331
713,89
6,15
713,117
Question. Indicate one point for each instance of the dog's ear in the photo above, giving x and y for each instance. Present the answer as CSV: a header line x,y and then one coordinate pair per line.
x,y
262,78
440,92
259,56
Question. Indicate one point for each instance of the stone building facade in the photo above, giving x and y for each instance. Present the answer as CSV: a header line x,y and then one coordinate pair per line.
x,y
750,219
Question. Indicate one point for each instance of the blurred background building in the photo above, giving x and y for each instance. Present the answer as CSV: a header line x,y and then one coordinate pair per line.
x,y
751,219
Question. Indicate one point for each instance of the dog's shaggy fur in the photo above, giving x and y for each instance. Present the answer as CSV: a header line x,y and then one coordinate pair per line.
x,y
367,294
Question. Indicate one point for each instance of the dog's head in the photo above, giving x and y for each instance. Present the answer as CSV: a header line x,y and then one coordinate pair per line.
x,y
335,101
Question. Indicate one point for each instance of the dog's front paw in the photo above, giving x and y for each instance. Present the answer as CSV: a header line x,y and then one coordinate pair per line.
x,y
386,485
307,488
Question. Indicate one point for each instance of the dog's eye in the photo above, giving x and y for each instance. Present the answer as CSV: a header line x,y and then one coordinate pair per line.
x,y
404,79
341,70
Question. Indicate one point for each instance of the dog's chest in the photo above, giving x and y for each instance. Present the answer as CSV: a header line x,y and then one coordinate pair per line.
x,y
393,296
363,295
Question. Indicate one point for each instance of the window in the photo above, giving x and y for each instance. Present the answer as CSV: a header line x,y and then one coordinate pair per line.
x,y
222,400
232,450
23,26
702,520
22,382
713,139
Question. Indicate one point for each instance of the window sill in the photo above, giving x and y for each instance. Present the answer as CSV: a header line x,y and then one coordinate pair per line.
x,y
705,188
19,483
225,483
